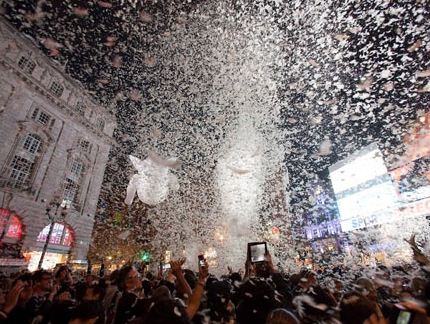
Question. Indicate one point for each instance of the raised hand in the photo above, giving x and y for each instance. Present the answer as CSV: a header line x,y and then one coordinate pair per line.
x,y
414,306
249,269
203,272
195,299
13,296
176,265
268,259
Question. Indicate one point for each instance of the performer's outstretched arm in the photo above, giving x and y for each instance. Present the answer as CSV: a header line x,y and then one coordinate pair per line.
x,y
131,190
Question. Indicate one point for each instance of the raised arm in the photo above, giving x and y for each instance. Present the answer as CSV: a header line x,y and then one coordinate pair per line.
x,y
131,190
196,297
11,300
182,285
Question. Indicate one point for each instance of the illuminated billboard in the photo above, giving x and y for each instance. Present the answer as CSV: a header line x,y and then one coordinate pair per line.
x,y
363,188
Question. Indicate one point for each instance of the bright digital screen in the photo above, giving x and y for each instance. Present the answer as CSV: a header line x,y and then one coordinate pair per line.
x,y
367,207
258,252
362,168
364,191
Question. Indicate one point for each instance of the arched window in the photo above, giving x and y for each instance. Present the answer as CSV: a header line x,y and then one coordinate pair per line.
x,y
62,234
24,160
10,224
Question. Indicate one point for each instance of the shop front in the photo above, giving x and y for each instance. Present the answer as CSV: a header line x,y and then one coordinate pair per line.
x,y
58,249
50,260
11,237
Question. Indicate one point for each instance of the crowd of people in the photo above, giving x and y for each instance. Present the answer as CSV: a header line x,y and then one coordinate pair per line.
x,y
261,294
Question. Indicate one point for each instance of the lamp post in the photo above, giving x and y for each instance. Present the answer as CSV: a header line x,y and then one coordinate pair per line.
x,y
52,218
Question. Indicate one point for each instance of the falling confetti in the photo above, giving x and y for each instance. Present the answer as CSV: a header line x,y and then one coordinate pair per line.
x,y
245,96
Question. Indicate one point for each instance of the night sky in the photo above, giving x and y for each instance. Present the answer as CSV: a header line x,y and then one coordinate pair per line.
x,y
104,46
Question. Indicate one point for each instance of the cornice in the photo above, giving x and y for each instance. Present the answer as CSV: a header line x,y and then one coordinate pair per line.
x,y
64,107
30,45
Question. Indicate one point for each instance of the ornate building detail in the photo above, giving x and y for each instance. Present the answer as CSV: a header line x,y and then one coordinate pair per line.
x,y
55,145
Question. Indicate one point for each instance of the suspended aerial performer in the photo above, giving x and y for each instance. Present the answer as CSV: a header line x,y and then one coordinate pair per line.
x,y
154,179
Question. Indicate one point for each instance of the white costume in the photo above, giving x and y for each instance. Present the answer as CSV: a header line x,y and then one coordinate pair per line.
x,y
154,179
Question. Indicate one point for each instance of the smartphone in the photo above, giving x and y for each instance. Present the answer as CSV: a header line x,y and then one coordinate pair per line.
x,y
201,260
257,251
404,317
166,266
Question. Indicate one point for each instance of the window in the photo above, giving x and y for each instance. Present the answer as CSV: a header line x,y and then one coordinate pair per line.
x,y
32,143
68,237
70,191
26,64
71,183
85,145
24,160
43,235
61,234
35,113
57,233
100,124
10,224
80,107
76,169
40,116
56,88
43,118
15,228
21,170
315,233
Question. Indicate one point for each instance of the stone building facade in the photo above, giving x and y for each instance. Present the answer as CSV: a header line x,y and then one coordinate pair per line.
x,y
55,140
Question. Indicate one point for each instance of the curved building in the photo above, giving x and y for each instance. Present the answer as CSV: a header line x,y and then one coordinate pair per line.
x,y
55,145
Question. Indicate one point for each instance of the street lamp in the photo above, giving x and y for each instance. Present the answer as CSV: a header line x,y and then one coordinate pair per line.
x,y
55,204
